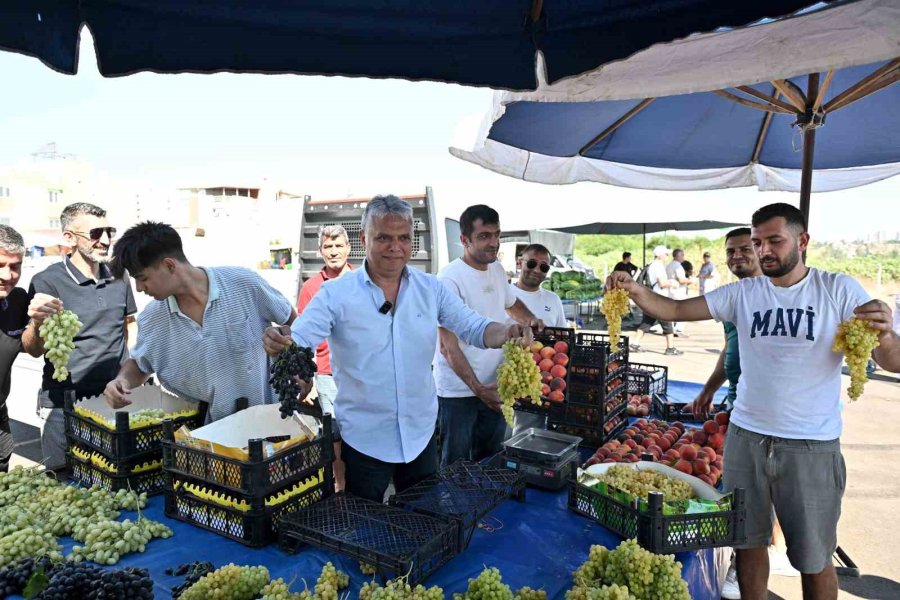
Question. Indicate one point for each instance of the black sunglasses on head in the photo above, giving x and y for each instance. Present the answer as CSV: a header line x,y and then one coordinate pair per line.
x,y
532,263
96,233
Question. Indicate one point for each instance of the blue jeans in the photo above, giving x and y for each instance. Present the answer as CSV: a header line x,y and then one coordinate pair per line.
x,y
469,430
327,391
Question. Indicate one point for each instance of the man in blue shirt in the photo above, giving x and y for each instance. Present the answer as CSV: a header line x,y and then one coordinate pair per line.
x,y
381,323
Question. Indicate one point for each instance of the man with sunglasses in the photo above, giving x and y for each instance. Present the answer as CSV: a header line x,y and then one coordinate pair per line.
x,y
547,306
83,283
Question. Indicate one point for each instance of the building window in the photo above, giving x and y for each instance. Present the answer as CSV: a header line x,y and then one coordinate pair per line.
x,y
54,223
54,196
4,192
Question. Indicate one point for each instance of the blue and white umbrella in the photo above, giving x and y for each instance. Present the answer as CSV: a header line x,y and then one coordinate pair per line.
x,y
733,108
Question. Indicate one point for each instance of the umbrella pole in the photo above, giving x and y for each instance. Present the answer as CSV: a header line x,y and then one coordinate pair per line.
x,y
644,229
809,147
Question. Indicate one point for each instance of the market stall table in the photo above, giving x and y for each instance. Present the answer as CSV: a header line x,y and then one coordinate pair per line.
x,y
538,543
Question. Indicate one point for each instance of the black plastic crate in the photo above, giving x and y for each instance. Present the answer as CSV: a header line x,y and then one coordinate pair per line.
x,y
255,527
464,490
122,442
674,411
591,437
551,335
594,350
394,541
258,476
647,379
659,533
86,474
529,407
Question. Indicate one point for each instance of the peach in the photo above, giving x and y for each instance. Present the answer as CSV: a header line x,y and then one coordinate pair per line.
x,y
630,443
717,441
643,410
688,452
699,438
558,383
706,479
708,452
545,389
684,466
560,359
558,371
632,410
547,352
546,377
535,346
664,443
594,460
710,427
555,396
561,347
701,467
721,418
545,365
537,358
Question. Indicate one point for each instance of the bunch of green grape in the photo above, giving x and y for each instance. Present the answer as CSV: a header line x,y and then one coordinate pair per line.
x,y
647,576
399,589
278,589
487,586
28,542
106,541
330,582
856,338
526,593
613,307
58,331
603,592
231,582
517,377
641,483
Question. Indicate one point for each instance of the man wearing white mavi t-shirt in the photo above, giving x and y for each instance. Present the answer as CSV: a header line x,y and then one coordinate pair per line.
x,y
783,443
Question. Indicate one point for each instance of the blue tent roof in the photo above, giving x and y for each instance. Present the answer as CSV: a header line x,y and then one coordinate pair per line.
x,y
482,42
704,130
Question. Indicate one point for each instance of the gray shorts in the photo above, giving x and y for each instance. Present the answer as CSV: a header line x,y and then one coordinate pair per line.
x,y
803,480
327,390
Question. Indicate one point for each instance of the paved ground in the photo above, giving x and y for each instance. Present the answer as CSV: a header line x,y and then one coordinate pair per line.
x,y
870,524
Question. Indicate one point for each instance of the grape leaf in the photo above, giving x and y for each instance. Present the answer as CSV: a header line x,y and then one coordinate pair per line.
x,y
37,583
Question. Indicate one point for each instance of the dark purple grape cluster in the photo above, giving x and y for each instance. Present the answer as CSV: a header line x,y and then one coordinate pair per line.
x,y
291,363
191,572
14,577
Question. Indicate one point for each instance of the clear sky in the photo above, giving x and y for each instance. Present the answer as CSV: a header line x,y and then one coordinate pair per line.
x,y
335,137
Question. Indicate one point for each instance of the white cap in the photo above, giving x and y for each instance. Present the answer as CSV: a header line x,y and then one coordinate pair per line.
x,y
660,251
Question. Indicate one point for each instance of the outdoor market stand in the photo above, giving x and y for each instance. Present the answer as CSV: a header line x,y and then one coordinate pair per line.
x,y
539,544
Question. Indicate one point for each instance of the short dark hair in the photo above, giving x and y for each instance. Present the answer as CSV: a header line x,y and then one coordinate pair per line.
x,y
11,240
688,267
792,215
72,211
144,245
737,232
676,251
484,212
536,248
626,255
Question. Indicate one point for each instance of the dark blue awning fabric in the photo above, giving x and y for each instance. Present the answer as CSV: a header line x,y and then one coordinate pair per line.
x,y
539,544
474,42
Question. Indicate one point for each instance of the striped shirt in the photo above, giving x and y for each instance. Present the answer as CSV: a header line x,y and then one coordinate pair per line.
x,y
223,359
386,403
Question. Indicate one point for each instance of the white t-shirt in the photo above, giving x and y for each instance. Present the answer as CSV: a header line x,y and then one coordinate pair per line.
x,y
674,270
545,305
790,383
656,272
488,294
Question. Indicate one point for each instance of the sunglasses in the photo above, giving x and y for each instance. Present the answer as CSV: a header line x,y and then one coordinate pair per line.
x,y
531,263
96,233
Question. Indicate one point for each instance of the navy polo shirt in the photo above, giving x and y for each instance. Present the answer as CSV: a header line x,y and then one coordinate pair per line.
x,y
100,349
13,319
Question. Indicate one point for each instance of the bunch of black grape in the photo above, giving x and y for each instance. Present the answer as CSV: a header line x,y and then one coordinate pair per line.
x,y
291,363
129,583
82,581
14,577
191,572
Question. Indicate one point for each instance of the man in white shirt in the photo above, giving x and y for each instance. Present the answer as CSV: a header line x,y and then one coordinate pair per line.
x,y
678,281
472,426
660,283
783,442
534,264
381,322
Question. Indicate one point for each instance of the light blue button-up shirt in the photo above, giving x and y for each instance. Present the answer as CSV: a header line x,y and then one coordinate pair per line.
x,y
386,402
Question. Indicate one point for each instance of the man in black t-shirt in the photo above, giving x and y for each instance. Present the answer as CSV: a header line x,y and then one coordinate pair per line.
x,y
105,305
13,321
626,264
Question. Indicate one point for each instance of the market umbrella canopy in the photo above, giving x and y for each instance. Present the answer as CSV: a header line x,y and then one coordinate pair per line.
x,y
645,228
671,119
477,42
